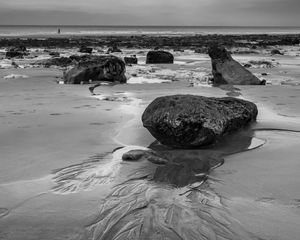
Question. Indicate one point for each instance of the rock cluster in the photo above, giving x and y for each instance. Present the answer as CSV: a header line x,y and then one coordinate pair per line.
x,y
19,52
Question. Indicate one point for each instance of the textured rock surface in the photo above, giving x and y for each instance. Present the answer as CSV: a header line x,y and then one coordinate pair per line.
x,y
159,57
189,121
104,68
228,71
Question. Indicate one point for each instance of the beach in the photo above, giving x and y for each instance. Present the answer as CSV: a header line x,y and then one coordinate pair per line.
x,y
61,147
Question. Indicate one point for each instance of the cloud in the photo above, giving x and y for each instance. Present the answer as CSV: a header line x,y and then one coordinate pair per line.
x,y
151,12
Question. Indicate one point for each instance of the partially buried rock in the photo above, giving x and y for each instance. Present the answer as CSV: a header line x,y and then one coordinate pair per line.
x,y
157,57
189,121
151,156
276,52
228,71
131,60
106,68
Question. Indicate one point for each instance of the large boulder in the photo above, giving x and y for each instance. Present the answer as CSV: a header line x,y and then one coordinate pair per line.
x,y
228,71
105,68
189,121
157,57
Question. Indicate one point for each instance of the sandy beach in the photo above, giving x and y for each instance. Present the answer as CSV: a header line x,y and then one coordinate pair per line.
x,y
61,147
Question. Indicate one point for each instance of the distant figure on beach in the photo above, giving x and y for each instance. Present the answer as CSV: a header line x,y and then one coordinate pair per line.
x,y
58,31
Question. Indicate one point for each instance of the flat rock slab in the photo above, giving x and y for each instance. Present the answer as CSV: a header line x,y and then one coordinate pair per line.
x,y
189,121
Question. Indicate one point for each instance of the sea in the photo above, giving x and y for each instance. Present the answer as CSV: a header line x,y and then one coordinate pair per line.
x,y
62,30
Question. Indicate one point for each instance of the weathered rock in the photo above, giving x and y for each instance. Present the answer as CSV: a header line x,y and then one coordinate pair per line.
x,y
131,60
149,155
154,57
189,121
105,68
228,71
85,49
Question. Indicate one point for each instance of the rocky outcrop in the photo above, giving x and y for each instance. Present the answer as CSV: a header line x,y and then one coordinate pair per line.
x,y
104,68
228,71
189,121
157,57
131,60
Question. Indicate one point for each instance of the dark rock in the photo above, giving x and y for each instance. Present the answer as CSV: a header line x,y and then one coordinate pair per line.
x,y
18,52
113,49
228,71
86,49
188,121
15,64
102,68
149,155
276,52
154,57
247,65
131,60
54,54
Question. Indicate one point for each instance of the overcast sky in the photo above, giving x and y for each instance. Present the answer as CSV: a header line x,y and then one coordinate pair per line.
x,y
151,12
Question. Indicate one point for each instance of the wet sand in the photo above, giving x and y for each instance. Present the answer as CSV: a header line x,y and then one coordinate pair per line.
x,y
59,164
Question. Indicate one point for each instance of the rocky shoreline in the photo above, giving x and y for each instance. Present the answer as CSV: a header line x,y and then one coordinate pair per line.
x,y
199,43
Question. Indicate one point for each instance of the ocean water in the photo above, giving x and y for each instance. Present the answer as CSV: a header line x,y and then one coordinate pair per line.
x,y
12,31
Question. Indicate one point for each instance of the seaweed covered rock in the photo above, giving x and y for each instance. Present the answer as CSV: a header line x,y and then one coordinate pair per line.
x,y
154,57
228,71
189,121
102,68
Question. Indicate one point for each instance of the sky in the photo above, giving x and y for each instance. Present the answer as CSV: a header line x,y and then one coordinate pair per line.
x,y
151,12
